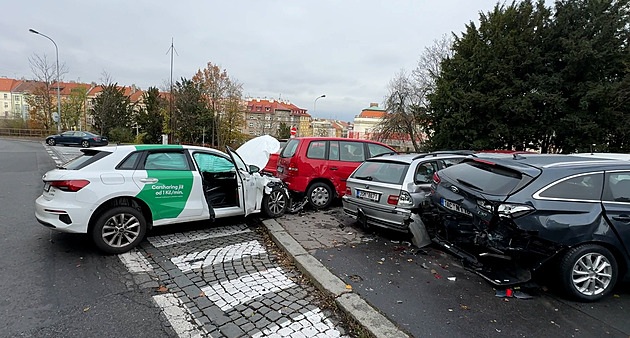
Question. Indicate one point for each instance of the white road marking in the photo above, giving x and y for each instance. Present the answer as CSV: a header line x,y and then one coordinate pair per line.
x,y
204,258
179,316
135,262
310,324
179,238
228,294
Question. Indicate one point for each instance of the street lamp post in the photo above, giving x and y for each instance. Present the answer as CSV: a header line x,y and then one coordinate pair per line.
x,y
58,92
315,103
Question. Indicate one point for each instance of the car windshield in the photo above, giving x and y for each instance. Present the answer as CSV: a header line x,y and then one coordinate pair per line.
x,y
387,172
487,178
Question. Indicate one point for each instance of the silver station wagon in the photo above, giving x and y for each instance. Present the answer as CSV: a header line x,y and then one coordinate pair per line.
x,y
388,190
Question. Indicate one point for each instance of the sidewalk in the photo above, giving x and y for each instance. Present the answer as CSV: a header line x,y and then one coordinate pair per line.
x,y
298,234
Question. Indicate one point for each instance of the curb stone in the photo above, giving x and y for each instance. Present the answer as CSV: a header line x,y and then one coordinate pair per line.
x,y
351,303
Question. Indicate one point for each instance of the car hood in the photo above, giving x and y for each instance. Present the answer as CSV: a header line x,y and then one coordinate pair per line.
x,y
257,150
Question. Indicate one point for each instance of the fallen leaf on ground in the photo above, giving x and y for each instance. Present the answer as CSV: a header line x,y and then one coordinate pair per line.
x,y
202,294
162,288
86,309
348,286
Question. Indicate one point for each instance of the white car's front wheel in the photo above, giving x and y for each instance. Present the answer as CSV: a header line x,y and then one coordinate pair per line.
x,y
275,203
119,229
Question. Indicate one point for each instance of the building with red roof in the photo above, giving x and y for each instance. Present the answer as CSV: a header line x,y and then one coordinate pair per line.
x,y
264,116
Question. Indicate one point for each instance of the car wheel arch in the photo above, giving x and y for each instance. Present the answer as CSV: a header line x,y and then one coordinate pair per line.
x,y
122,201
325,181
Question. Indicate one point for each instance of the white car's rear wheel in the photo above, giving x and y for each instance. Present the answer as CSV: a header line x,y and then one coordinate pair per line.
x,y
119,230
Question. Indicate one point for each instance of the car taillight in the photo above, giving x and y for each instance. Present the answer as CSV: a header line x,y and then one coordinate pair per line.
x,y
512,210
70,185
405,200
348,191
436,178
293,170
392,199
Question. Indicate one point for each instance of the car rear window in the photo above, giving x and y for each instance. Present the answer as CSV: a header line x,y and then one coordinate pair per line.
x,y
487,178
387,172
290,148
88,157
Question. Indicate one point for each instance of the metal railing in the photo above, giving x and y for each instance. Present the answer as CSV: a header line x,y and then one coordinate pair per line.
x,y
17,132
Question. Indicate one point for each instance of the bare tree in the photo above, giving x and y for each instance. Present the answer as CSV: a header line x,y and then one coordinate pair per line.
x,y
43,102
407,102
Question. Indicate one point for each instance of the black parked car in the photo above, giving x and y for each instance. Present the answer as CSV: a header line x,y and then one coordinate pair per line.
x,y
520,212
82,138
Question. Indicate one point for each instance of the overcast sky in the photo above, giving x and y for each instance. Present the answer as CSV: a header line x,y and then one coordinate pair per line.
x,y
295,50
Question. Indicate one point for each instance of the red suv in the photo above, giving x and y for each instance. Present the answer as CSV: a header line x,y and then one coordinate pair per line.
x,y
319,166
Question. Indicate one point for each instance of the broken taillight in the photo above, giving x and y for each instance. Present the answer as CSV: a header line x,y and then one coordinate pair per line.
x,y
512,210
69,185
348,191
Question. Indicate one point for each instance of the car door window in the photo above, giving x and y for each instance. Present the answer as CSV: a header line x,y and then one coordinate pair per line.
x,y
617,187
377,149
166,161
212,163
425,171
316,150
351,151
586,187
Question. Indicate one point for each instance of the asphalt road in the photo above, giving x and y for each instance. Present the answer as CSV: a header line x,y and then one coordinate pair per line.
x,y
428,293
53,284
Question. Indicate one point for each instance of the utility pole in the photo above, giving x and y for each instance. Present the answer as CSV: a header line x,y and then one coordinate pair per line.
x,y
171,98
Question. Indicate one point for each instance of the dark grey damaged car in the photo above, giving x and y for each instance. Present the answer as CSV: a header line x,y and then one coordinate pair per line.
x,y
510,216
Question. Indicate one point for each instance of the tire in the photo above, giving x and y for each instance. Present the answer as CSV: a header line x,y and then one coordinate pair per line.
x,y
119,230
85,144
319,195
588,272
275,203
51,142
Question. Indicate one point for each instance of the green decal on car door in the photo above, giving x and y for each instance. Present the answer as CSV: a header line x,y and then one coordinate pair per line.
x,y
166,196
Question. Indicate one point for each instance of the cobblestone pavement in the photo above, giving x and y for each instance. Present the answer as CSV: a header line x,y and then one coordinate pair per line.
x,y
222,281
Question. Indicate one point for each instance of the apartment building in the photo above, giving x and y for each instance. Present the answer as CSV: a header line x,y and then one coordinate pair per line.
x,y
264,117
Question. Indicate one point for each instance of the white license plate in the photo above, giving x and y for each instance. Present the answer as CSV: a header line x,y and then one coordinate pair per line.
x,y
47,186
366,195
455,207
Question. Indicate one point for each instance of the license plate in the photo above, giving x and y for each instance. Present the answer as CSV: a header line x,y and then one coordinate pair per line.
x,y
366,195
46,186
455,207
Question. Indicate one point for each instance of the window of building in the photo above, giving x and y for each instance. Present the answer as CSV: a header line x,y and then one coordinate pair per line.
x,y
5,95
251,124
6,105
267,109
267,125
268,117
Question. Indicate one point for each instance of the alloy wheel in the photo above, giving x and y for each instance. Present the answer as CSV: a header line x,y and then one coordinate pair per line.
x,y
277,202
121,230
592,274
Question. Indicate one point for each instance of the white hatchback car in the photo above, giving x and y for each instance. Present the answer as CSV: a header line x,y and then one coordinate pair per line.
x,y
116,193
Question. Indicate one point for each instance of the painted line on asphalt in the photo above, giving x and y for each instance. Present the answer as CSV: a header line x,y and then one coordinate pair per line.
x,y
181,238
228,294
179,316
204,258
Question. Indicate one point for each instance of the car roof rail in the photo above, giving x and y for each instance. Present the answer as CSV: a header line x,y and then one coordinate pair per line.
x,y
389,153
445,152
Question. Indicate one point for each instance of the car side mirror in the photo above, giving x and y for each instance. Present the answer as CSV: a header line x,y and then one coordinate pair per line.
x,y
253,169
